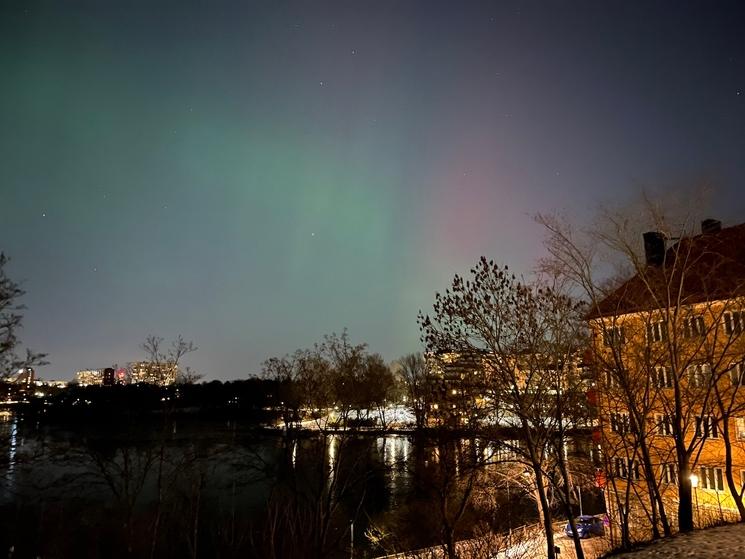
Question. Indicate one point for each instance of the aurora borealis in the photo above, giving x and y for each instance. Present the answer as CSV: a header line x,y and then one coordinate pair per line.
x,y
254,175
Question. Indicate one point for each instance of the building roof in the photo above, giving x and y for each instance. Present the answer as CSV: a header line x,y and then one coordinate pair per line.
x,y
701,268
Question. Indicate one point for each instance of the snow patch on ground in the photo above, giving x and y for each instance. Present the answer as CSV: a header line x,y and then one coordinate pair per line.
x,y
722,542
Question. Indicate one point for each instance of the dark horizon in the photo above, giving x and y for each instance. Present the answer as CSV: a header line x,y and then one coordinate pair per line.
x,y
255,175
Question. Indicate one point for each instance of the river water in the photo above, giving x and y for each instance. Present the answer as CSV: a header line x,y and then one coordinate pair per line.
x,y
205,489
97,469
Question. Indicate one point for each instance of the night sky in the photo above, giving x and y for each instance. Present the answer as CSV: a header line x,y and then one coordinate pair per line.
x,y
253,175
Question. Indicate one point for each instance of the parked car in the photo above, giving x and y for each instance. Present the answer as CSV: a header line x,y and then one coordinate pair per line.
x,y
586,526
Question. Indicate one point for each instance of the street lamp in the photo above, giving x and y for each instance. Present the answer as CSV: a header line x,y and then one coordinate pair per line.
x,y
694,484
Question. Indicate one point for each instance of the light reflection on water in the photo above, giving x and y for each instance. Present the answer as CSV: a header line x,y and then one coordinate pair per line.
x,y
10,428
332,449
395,451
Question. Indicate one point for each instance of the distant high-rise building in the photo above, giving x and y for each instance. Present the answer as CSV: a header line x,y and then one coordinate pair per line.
x,y
151,372
89,377
108,376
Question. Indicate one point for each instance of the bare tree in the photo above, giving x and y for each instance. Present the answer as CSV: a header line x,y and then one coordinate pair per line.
x,y
10,323
528,337
163,363
285,372
414,374
377,387
330,385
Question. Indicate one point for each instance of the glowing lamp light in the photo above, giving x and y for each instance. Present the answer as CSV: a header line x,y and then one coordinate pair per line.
x,y
694,480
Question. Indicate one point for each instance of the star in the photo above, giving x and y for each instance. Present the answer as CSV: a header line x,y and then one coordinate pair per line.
x,y
320,83
354,51
43,214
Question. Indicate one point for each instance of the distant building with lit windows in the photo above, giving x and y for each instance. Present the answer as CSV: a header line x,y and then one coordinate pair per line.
x,y
150,372
89,377
24,376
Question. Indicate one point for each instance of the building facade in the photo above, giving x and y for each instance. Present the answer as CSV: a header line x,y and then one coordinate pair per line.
x,y
669,358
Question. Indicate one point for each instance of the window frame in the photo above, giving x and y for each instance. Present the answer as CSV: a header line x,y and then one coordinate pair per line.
x,y
707,427
614,337
694,327
699,374
669,473
664,424
626,468
737,374
711,478
662,372
740,428
657,331
733,323
620,422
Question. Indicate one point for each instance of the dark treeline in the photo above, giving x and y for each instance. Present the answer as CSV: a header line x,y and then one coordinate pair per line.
x,y
249,400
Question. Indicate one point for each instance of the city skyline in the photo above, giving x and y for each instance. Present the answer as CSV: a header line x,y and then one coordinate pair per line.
x,y
256,176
